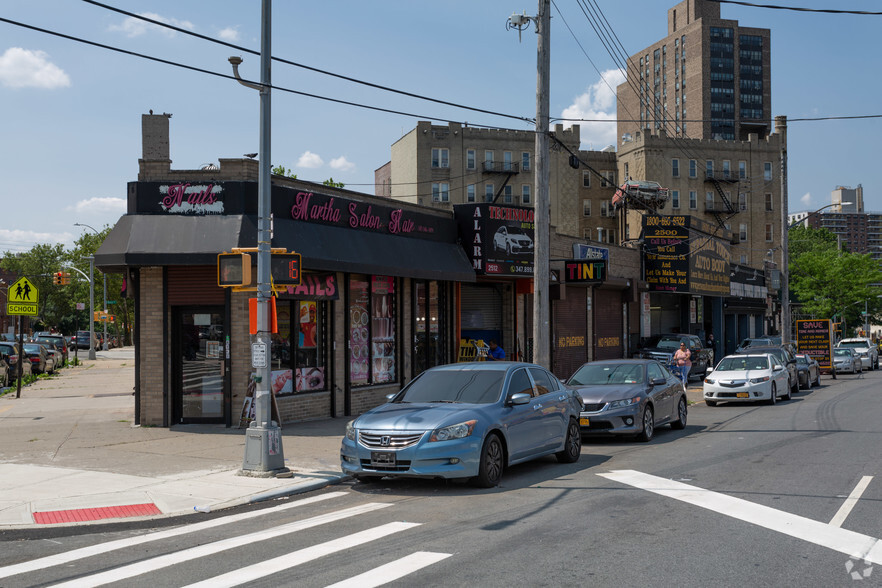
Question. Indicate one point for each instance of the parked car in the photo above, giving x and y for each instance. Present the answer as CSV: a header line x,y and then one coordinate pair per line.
x,y
82,340
465,420
747,377
5,371
54,351
42,361
628,397
845,359
757,342
11,351
662,348
808,371
59,341
512,240
785,358
868,352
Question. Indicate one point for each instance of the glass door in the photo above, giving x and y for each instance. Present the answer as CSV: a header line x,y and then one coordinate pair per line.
x,y
198,364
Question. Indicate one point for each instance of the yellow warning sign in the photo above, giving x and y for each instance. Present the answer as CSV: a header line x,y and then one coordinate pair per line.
x,y
22,298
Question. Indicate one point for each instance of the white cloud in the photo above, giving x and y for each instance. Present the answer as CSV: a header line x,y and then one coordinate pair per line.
x,y
597,103
342,164
806,198
21,68
16,240
135,27
228,34
310,160
99,206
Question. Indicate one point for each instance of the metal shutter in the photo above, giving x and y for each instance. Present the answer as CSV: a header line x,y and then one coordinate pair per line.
x,y
480,308
608,324
194,285
569,345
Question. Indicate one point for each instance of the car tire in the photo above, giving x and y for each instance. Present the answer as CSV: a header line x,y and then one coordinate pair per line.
x,y
774,399
711,402
788,396
680,422
648,421
491,463
573,445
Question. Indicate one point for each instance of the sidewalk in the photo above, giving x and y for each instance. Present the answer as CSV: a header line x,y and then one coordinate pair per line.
x,y
70,454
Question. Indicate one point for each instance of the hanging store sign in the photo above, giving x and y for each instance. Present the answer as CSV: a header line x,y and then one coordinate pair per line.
x,y
497,239
682,255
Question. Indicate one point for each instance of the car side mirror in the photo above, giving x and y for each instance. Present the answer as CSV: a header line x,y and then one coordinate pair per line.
x,y
519,398
778,368
391,397
659,381
709,370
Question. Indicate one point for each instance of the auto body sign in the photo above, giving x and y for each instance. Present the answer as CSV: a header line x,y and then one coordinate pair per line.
x,y
497,239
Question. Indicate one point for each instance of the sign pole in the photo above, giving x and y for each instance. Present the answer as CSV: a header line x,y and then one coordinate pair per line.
x,y
21,356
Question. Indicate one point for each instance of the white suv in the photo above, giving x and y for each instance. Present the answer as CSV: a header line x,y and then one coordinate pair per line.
x,y
868,352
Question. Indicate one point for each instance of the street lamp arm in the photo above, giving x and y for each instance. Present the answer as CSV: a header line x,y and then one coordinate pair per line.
x,y
79,271
816,212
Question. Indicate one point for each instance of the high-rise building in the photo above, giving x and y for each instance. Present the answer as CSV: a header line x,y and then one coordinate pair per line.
x,y
709,78
854,196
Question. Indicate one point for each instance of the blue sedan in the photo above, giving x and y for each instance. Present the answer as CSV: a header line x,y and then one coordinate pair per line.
x,y
466,420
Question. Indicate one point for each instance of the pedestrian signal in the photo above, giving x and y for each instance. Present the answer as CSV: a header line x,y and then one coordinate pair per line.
x,y
233,269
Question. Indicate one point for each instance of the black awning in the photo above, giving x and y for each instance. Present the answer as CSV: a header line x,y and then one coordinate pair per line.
x,y
157,240
160,240
324,247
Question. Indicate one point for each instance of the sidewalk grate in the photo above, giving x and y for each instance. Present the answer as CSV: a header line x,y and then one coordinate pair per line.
x,y
80,515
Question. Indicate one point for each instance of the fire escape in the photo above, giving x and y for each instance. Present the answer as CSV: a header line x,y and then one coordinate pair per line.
x,y
718,180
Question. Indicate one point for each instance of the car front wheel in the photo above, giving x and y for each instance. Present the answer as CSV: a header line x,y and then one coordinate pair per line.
x,y
680,423
648,425
572,446
490,468
774,399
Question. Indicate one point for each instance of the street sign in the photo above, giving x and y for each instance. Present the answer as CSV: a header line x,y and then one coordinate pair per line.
x,y
258,355
22,298
81,306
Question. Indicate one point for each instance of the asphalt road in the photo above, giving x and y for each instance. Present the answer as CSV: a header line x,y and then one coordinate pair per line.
x,y
745,496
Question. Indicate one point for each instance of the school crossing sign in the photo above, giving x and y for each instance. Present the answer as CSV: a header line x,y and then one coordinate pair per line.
x,y
22,298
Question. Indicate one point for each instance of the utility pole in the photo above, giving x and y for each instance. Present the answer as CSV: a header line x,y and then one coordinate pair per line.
x,y
781,128
263,439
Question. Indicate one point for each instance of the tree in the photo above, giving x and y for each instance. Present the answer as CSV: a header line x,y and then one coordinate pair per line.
x,y
330,182
830,282
281,170
38,265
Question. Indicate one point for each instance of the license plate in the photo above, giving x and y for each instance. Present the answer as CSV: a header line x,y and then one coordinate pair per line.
x,y
382,459
583,421
742,395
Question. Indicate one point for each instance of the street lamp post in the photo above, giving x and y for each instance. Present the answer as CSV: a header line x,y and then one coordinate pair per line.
x,y
104,308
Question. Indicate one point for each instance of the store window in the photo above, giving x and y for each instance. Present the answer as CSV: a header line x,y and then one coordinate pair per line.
x,y
298,349
430,334
372,337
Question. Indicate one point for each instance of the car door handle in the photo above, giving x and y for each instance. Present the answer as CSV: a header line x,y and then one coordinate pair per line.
x,y
561,397
537,406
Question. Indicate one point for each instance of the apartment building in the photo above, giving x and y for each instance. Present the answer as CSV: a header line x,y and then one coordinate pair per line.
x,y
709,78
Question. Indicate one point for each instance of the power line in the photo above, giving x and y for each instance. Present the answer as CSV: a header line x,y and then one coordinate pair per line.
x,y
230,77
799,8
306,67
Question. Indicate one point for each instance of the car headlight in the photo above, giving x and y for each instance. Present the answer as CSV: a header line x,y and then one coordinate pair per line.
x,y
758,380
625,402
350,430
709,381
457,431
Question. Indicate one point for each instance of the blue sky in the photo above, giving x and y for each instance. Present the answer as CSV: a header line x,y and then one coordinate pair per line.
x,y
70,137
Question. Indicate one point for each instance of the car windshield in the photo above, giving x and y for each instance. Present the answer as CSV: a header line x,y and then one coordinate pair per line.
x,y
842,352
468,386
602,374
32,348
754,342
672,342
853,344
515,232
747,362
801,359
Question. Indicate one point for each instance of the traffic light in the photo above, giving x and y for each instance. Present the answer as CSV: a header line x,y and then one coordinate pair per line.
x,y
233,269
56,278
65,278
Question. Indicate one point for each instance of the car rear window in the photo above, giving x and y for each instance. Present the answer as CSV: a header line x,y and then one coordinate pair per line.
x,y
607,374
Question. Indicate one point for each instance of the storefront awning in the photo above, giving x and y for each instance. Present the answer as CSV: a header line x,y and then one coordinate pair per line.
x,y
157,240
325,247
160,240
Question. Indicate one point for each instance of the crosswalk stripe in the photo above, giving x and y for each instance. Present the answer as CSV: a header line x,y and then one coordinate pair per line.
x,y
170,559
392,571
92,550
295,558
850,543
